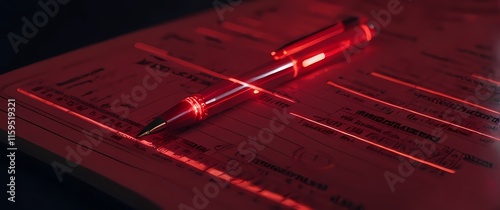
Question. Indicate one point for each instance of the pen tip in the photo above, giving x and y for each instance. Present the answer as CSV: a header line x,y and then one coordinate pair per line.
x,y
142,133
157,125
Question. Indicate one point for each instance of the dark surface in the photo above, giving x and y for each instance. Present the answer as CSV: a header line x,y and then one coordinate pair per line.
x,y
75,25
80,23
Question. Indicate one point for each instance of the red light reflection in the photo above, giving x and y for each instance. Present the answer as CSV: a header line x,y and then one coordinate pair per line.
x,y
197,107
83,117
243,184
164,54
409,110
367,31
451,171
312,60
431,91
309,41
486,79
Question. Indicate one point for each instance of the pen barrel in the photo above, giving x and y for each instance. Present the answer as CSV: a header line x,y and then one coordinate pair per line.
x,y
353,30
334,49
226,94
317,52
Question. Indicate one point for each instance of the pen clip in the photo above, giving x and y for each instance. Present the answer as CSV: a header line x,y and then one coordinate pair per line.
x,y
314,38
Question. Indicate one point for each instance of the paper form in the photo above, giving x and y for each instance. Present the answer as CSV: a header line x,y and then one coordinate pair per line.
x,y
399,95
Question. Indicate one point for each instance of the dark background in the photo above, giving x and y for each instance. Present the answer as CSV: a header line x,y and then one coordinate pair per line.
x,y
76,24
82,22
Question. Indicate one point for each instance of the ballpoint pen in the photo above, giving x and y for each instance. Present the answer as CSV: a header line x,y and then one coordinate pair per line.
x,y
290,61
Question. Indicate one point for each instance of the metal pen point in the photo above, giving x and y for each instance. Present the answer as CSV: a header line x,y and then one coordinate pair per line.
x,y
152,127
290,61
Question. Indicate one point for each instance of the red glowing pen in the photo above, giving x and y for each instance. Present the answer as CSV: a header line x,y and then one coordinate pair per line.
x,y
290,61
